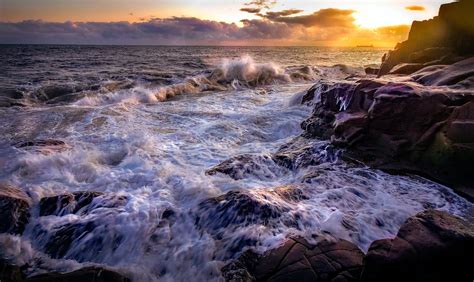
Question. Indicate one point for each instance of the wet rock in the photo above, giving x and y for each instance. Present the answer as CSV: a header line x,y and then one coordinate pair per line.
x,y
96,274
401,125
67,203
451,33
14,209
298,260
303,152
10,272
40,143
236,208
431,246
69,241
244,166
371,71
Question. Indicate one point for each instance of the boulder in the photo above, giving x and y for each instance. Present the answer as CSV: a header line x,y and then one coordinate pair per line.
x,y
298,260
431,246
14,209
96,274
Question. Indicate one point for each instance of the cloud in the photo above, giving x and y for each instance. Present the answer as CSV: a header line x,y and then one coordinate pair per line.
x,y
323,27
323,18
251,10
283,13
415,8
267,4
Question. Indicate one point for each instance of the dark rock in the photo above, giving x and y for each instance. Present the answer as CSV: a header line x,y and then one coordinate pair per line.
x,y
96,274
371,71
298,260
235,208
14,209
67,203
302,152
450,33
96,238
10,272
431,246
243,166
40,143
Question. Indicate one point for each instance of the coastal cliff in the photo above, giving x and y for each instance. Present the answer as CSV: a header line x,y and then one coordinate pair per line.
x,y
445,39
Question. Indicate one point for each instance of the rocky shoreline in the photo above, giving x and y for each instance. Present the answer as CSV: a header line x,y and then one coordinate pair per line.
x,y
431,246
417,116
414,115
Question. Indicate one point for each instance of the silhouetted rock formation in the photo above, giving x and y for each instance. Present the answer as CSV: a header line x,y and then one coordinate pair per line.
x,y
444,39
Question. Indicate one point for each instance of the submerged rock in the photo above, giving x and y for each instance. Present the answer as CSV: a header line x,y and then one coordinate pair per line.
x,y
298,260
14,209
431,246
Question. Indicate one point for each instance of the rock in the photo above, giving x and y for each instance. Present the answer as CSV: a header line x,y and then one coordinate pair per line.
x,y
371,71
14,209
431,246
96,274
40,143
406,125
10,272
244,166
407,68
67,203
298,260
235,208
69,238
450,33
303,152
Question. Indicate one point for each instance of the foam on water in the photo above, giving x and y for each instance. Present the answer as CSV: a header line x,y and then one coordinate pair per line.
x,y
161,217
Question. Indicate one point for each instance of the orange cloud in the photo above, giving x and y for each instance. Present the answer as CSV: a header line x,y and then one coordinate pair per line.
x,y
415,8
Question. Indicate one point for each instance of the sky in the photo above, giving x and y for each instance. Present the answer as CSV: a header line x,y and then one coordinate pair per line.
x,y
212,22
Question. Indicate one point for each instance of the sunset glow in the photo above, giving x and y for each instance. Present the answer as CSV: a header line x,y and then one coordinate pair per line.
x,y
348,22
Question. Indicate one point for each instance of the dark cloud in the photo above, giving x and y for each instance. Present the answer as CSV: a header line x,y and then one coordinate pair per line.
x,y
323,18
251,10
415,8
283,13
267,4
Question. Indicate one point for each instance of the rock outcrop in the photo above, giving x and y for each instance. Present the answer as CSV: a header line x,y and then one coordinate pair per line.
x,y
298,260
421,123
14,209
445,39
431,246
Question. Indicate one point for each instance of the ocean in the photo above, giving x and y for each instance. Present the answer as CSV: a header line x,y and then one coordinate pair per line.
x,y
144,124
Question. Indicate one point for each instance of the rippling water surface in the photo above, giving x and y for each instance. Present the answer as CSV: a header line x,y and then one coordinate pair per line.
x,y
144,124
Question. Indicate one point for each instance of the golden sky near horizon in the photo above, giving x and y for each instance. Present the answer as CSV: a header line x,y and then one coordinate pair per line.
x,y
364,16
